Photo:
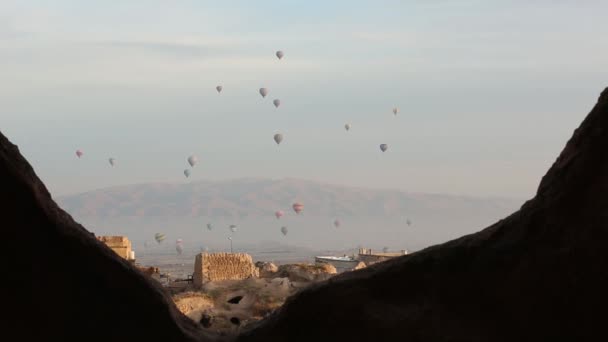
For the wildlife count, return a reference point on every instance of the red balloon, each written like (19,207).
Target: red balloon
(298,207)
(79,153)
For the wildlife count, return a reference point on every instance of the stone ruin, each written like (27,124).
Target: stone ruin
(223,266)
(119,244)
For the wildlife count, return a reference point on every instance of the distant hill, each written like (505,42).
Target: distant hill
(250,198)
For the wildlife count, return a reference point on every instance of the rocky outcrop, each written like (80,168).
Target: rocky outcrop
(266,269)
(306,272)
(223,266)
(538,275)
(66,285)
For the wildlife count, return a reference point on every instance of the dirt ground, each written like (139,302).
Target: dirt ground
(226,306)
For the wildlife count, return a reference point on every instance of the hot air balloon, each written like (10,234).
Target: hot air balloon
(179,241)
(336,223)
(383,147)
(233,228)
(279,214)
(278,138)
(276,102)
(112,161)
(263,92)
(409,223)
(298,207)
(279,54)
(219,88)
(395,110)
(347,127)
(385,250)
(209,226)
(159,237)
(179,248)
(192,160)
(284,230)
(79,153)
(187,173)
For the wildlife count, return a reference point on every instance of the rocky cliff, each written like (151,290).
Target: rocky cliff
(540,274)
(61,284)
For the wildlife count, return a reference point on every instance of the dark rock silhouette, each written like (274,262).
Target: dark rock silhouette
(540,274)
(61,284)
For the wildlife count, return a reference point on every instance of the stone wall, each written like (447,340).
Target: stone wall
(370,257)
(119,244)
(223,266)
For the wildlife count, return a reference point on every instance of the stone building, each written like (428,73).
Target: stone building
(370,257)
(120,245)
(223,266)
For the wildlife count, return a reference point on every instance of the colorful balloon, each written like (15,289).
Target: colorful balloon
(263,92)
(279,214)
(192,160)
(337,223)
(383,147)
(219,88)
(347,127)
(280,54)
(276,102)
(395,110)
(298,207)
(284,230)
(79,153)
(112,161)
(159,237)
(187,173)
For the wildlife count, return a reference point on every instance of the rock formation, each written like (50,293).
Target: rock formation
(266,269)
(62,283)
(306,272)
(540,274)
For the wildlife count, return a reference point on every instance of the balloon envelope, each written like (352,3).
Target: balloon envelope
(337,223)
(278,138)
(187,173)
(79,153)
(112,161)
(276,102)
(179,248)
(279,214)
(209,226)
(159,237)
(383,147)
(284,230)
(395,110)
(192,160)
(298,207)
(280,54)
(219,88)
(347,127)
(263,92)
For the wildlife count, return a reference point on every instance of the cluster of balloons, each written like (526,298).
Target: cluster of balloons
(278,138)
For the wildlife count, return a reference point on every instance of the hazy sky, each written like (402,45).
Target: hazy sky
(488,91)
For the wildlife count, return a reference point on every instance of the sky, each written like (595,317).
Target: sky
(488,92)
